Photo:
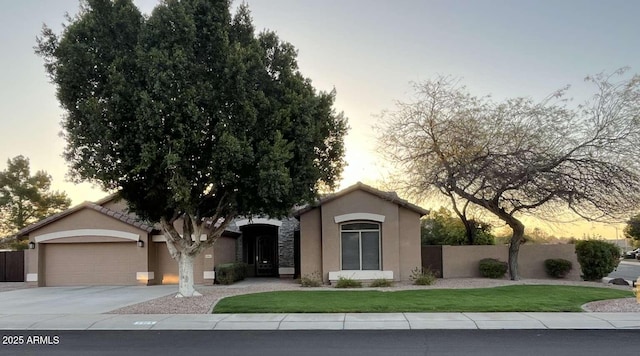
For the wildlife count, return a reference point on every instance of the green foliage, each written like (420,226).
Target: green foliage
(19,245)
(557,267)
(597,258)
(422,277)
(632,230)
(517,298)
(492,268)
(189,112)
(25,198)
(381,282)
(228,273)
(442,228)
(313,280)
(344,282)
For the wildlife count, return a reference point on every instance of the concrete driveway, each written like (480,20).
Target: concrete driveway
(78,300)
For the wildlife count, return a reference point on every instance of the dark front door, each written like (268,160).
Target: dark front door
(265,256)
(260,249)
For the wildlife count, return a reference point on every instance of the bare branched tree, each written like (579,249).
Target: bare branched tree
(518,156)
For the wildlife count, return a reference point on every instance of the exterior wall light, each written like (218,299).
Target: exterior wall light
(140,243)
(32,245)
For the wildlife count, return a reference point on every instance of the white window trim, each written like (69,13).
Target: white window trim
(360,275)
(379,230)
(273,222)
(87,232)
(358,216)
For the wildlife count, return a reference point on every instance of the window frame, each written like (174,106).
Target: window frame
(360,231)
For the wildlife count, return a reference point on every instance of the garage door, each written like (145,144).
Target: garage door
(77,264)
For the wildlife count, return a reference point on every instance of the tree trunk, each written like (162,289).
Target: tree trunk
(514,247)
(184,250)
(470,231)
(185,272)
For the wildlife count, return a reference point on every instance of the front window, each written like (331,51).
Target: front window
(360,246)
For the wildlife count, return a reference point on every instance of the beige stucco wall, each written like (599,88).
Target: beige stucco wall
(167,267)
(92,264)
(400,235)
(86,219)
(410,252)
(224,251)
(463,261)
(310,243)
(360,202)
(94,256)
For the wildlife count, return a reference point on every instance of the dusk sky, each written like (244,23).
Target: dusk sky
(368,50)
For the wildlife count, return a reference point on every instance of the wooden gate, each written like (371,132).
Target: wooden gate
(432,259)
(12,266)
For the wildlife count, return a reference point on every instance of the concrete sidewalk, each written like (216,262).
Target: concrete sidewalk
(337,321)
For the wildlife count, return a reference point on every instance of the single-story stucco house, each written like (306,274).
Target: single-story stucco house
(359,233)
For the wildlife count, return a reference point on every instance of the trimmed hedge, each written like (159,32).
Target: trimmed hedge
(228,273)
(492,268)
(597,258)
(557,267)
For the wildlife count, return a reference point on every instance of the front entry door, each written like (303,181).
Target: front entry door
(265,256)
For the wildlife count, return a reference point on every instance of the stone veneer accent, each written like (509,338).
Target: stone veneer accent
(285,241)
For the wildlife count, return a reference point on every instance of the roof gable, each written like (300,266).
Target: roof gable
(125,218)
(388,196)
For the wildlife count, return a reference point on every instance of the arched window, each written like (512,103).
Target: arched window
(360,242)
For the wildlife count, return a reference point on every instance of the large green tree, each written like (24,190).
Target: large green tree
(192,116)
(26,198)
(520,156)
(440,227)
(632,230)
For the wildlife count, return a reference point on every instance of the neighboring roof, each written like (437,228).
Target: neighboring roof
(388,196)
(125,218)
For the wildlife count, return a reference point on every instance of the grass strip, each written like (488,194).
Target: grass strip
(533,298)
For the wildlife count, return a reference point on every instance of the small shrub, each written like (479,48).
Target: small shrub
(422,277)
(557,267)
(348,283)
(381,282)
(228,273)
(492,268)
(311,280)
(19,245)
(597,258)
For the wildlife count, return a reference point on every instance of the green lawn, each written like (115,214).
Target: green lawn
(538,298)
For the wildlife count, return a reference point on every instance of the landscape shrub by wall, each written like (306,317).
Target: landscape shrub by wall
(228,273)
(557,267)
(492,268)
(597,258)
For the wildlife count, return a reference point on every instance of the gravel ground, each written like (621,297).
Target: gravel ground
(212,294)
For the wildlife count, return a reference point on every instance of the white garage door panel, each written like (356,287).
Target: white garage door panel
(91,264)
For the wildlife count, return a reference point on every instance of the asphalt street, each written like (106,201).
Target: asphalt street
(370,343)
(629,270)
